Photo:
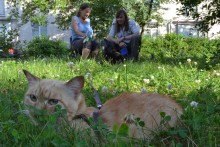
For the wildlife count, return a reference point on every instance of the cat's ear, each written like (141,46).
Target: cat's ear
(31,78)
(76,84)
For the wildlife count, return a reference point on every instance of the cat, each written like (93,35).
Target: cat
(45,94)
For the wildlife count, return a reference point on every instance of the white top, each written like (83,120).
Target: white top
(133,28)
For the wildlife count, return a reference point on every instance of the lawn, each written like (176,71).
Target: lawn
(197,90)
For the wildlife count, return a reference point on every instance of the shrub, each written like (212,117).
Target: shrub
(177,47)
(215,58)
(44,47)
(6,38)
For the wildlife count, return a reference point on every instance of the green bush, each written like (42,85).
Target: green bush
(44,47)
(6,38)
(172,46)
(215,58)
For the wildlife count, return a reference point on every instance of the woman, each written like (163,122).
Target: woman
(127,33)
(82,33)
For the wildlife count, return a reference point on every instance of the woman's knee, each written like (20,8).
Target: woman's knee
(136,38)
(96,43)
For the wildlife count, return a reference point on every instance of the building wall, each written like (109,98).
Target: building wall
(26,31)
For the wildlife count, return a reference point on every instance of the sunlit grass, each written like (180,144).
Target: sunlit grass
(198,91)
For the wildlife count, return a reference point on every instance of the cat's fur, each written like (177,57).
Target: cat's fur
(125,108)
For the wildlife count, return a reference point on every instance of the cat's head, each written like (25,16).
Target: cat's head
(45,94)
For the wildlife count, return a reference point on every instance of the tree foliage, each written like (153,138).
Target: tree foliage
(209,16)
(103,11)
(144,11)
(37,11)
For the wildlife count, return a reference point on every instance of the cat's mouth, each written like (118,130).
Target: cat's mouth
(41,115)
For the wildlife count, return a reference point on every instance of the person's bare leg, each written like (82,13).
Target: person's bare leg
(95,53)
(85,53)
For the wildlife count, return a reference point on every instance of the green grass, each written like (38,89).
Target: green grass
(200,126)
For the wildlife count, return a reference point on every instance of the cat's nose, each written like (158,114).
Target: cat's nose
(41,106)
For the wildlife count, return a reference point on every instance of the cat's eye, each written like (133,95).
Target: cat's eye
(53,101)
(33,98)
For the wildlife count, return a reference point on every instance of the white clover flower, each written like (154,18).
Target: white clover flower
(44,59)
(70,64)
(159,67)
(189,60)
(180,63)
(146,81)
(152,77)
(198,81)
(26,112)
(217,74)
(20,71)
(124,65)
(143,90)
(111,80)
(169,86)
(104,89)
(88,75)
(195,63)
(194,104)
(114,92)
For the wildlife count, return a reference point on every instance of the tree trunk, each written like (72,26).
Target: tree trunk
(149,14)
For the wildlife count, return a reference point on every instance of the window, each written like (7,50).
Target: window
(38,30)
(188,30)
(2,8)
(190,11)
(151,32)
(1,29)
(151,29)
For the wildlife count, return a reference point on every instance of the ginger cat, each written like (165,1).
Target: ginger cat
(45,94)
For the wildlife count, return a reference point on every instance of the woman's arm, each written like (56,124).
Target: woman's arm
(130,36)
(75,28)
(116,40)
(135,29)
(112,33)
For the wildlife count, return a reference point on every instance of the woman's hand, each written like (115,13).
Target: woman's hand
(122,44)
(84,35)
(119,40)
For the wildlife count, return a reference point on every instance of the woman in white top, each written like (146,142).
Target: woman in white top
(125,32)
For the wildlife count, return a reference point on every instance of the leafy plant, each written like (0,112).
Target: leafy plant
(177,47)
(197,91)
(44,47)
(6,39)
